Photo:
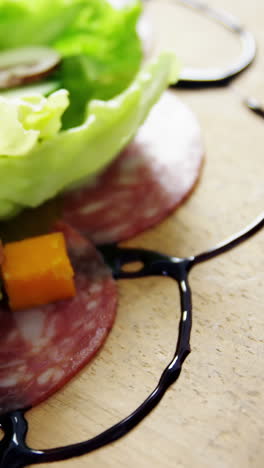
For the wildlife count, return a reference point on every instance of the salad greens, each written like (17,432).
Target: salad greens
(26,121)
(94,103)
(99,44)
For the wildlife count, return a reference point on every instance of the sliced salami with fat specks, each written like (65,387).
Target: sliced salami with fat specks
(42,348)
(150,178)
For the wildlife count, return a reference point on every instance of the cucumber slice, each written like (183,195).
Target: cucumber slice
(44,88)
(24,65)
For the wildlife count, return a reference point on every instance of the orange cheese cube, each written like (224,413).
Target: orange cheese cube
(37,271)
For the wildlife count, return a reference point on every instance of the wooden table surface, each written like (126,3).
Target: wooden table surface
(213,416)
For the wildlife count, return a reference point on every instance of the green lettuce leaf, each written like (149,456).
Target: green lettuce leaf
(54,164)
(42,114)
(26,121)
(27,22)
(49,144)
(99,44)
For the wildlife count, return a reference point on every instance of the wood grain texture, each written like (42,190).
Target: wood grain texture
(213,416)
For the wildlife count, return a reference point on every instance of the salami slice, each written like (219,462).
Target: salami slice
(42,348)
(149,180)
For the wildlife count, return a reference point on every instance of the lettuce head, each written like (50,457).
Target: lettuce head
(71,125)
